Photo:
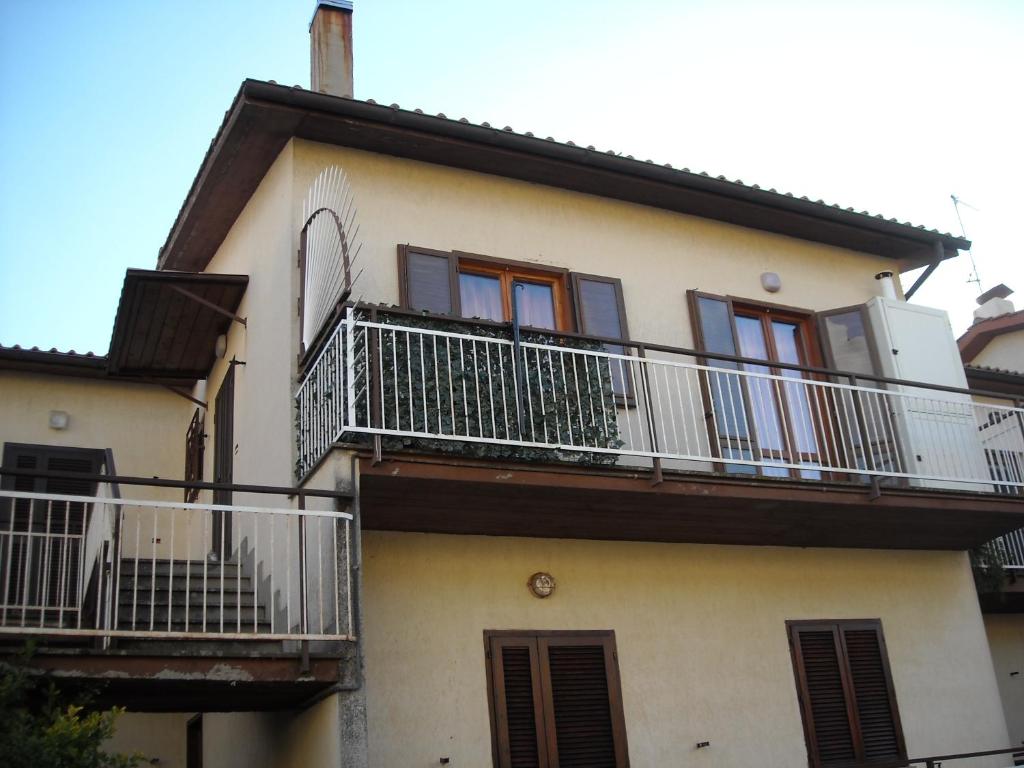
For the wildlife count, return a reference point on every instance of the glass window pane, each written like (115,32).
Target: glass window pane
(535,304)
(848,340)
(763,392)
(481,297)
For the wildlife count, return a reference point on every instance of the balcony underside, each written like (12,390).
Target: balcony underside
(174,681)
(432,495)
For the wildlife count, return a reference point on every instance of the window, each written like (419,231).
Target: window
(846,693)
(555,700)
(478,286)
(756,418)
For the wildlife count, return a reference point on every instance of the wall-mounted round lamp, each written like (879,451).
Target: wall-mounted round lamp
(59,419)
(220,347)
(541,584)
(771,282)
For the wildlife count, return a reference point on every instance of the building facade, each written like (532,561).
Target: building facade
(500,451)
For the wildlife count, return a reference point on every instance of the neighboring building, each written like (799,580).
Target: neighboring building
(678,520)
(993,354)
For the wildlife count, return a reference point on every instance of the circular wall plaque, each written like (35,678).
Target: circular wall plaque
(541,584)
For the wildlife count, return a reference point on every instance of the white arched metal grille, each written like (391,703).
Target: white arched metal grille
(328,249)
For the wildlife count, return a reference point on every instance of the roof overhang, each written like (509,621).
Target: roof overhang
(53,362)
(995,380)
(265,116)
(167,323)
(977,337)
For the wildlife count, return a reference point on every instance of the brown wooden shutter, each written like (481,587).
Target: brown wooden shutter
(846,694)
(821,668)
(872,688)
(428,280)
(195,452)
(556,700)
(600,308)
(580,708)
(601,311)
(517,702)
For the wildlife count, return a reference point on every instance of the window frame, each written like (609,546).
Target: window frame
(810,349)
(838,628)
(497,638)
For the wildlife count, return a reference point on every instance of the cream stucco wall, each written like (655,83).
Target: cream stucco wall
(1006,351)
(144,425)
(657,254)
(306,739)
(1006,639)
(701,637)
(158,737)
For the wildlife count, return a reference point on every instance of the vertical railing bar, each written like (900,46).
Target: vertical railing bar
(27,581)
(7,565)
(272,610)
(465,391)
(408,377)
(636,398)
(255,573)
(504,402)
(46,557)
(350,368)
(604,415)
(490,388)
(348,577)
(170,579)
(320,575)
(451,384)
(135,586)
(554,400)
(188,575)
(238,574)
(476,389)
(207,528)
(152,581)
(221,562)
(579,399)
(437,384)
(288,575)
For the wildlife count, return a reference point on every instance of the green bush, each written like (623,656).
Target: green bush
(42,726)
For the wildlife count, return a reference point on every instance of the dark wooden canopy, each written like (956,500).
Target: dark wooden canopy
(167,323)
(441,495)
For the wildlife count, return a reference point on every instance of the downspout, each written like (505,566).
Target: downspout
(355,682)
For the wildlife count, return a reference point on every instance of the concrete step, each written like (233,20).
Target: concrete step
(231,614)
(146,567)
(147,583)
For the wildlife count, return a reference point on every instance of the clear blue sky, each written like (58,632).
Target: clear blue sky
(108,108)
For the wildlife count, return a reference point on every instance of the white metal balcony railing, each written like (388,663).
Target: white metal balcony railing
(608,405)
(109,567)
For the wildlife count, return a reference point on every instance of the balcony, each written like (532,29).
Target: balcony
(702,446)
(202,601)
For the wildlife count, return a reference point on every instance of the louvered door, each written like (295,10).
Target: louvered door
(846,693)
(557,700)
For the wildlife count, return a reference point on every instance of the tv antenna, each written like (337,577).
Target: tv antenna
(973,277)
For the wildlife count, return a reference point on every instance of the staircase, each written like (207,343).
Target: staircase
(166,592)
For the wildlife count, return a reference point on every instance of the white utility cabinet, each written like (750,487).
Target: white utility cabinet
(937,431)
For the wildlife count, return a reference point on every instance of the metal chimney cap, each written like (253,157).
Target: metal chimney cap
(1001,291)
(341,5)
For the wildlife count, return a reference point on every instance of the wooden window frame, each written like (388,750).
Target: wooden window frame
(544,716)
(838,627)
(810,348)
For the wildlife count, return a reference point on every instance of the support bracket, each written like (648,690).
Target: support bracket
(210,305)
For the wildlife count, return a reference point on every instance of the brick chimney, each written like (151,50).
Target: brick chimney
(330,48)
